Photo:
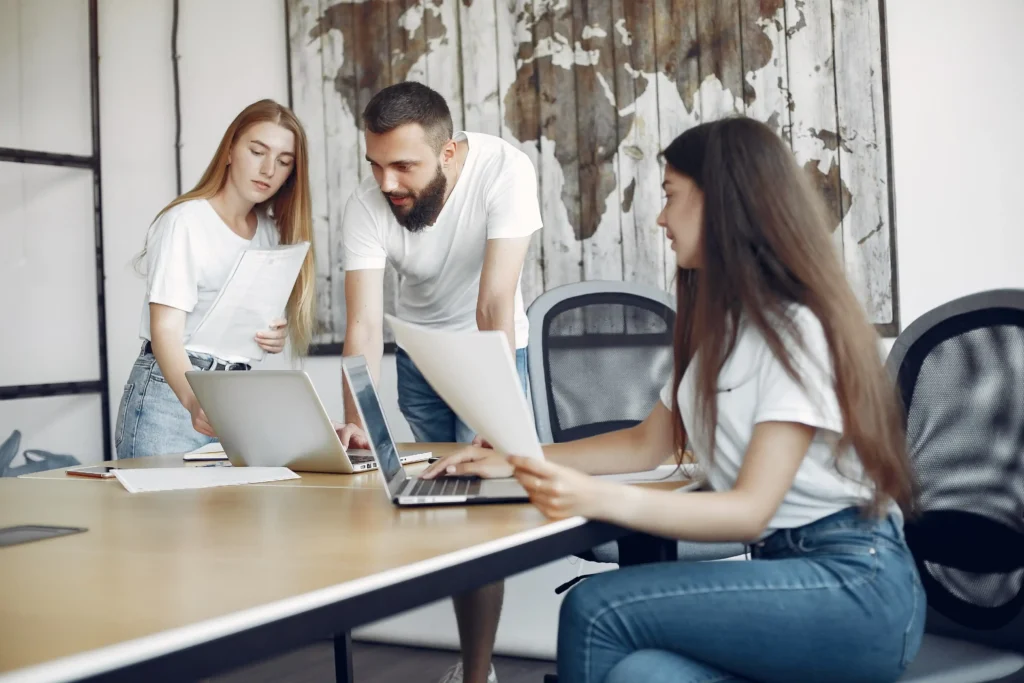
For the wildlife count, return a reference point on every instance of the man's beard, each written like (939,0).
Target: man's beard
(426,204)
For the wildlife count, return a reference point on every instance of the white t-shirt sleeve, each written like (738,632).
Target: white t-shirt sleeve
(781,399)
(364,247)
(172,262)
(666,392)
(513,207)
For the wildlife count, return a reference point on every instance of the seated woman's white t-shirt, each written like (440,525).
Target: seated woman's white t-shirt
(189,254)
(754,387)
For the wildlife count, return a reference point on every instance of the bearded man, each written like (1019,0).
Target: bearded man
(453,213)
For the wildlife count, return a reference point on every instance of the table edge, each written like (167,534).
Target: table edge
(110,658)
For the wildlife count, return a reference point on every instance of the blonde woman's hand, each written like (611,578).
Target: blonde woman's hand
(272,339)
(200,422)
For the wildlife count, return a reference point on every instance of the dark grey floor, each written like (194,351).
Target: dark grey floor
(378,664)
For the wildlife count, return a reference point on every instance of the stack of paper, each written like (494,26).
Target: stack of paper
(178,478)
(213,451)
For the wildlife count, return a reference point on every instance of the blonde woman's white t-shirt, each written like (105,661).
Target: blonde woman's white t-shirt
(190,251)
(754,387)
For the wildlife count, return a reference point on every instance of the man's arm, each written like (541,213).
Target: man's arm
(495,304)
(364,331)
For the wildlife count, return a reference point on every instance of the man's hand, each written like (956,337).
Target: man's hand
(352,436)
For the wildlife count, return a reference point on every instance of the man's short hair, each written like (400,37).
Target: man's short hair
(410,102)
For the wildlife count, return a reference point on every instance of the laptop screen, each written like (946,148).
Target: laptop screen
(374,422)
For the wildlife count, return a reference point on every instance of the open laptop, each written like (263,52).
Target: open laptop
(402,489)
(274,418)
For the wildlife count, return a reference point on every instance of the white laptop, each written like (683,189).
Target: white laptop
(402,489)
(274,418)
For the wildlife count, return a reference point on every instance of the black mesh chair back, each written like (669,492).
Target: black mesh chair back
(960,371)
(599,354)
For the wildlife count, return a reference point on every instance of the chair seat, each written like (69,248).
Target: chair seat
(688,551)
(947,660)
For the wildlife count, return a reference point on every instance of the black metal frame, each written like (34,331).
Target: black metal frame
(338,348)
(338,619)
(92,163)
(891,328)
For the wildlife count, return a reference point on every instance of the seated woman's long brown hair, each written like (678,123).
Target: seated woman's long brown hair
(766,245)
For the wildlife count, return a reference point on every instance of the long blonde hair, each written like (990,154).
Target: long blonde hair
(290,207)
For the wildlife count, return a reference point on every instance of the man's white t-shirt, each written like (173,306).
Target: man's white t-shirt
(439,267)
(190,251)
(754,387)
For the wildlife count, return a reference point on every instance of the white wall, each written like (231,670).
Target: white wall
(137,161)
(47,264)
(954,71)
(220,72)
(954,116)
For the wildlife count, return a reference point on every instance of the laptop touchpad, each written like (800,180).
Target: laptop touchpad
(502,488)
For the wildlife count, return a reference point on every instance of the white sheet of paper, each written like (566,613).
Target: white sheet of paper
(179,478)
(255,293)
(475,373)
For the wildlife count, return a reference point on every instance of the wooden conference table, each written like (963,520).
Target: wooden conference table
(179,585)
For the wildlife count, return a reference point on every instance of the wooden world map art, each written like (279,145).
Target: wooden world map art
(592,90)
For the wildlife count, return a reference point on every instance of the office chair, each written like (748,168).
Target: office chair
(960,371)
(599,354)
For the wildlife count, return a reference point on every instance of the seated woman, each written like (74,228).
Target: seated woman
(780,391)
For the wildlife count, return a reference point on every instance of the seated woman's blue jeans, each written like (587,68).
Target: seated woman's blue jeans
(836,601)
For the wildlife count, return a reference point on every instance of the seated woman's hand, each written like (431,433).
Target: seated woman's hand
(560,491)
(471,460)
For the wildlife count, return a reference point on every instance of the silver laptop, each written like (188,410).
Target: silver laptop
(274,418)
(401,488)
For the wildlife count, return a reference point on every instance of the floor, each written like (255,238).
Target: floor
(375,663)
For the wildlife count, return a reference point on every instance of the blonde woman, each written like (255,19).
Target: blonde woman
(254,194)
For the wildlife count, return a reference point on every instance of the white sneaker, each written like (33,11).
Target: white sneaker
(454,675)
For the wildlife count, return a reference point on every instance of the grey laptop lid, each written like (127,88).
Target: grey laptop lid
(272,418)
(375,424)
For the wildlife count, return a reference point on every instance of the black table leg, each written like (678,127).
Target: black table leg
(343,658)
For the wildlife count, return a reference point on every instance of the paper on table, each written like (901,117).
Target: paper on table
(475,374)
(211,451)
(255,293)
(178,478)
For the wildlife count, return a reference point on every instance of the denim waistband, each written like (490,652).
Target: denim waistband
(853,519)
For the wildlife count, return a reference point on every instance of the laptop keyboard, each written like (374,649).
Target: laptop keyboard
(445,486)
